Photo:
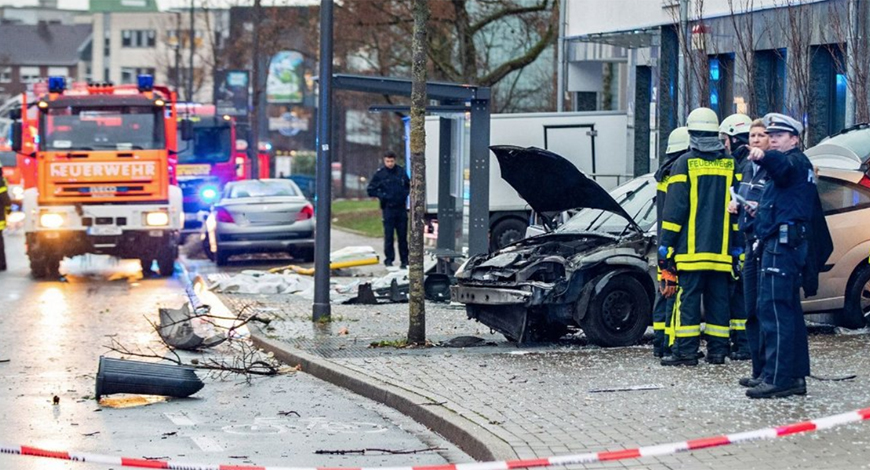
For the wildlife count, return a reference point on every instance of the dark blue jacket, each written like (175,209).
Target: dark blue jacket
(751,187)
(390,186)
(788,195)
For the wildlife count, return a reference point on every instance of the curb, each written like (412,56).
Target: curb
(473,439)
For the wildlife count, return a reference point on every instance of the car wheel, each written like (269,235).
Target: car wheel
(221,257)
(166,261)
(619,314)
(857,303)
(206,248)
(306,255)
(505,232)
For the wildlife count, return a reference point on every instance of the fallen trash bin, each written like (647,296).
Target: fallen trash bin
(145,378)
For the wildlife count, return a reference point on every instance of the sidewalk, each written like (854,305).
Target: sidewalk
(500,401)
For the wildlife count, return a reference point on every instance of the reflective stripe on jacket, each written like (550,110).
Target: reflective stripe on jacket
(696,222)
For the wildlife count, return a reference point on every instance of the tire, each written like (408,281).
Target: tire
(857,303)
(207,249)
(166,261)
(619,314)
(221,257)
(306,255)
(505,232)
(44,266)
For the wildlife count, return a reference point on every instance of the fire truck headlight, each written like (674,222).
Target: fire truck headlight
(51,220)
(157,219)
(208,194)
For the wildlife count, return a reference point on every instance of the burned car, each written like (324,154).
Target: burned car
(592,272)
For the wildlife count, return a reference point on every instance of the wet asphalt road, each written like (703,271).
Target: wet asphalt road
(54,333)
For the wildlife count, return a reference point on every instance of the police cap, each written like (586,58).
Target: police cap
(776,122)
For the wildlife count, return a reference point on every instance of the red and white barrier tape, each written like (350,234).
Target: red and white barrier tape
(592,457)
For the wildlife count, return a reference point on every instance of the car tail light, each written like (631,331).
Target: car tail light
(865,181)
(223,215)
(306,213)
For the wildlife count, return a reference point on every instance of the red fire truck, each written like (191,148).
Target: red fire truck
(105,181)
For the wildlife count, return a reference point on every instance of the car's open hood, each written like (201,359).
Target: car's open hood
(550,183)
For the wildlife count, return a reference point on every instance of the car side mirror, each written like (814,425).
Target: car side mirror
(16,137)
(186,130)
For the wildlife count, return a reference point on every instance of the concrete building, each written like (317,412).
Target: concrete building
(751,56)
(127,44)
(31,52)
(46,12)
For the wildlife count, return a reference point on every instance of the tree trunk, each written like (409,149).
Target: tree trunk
(416,305)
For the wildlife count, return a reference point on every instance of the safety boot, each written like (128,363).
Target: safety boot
(768,390)
(750,382)
(674,360)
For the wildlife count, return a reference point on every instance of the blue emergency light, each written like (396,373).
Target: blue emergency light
(56,84)
(208,194)
(145,82)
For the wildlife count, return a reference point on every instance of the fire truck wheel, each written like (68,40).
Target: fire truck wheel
(221,258)
(146,266)
(45,266)
(166,261)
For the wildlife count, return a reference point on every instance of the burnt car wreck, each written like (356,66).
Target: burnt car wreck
(593,272)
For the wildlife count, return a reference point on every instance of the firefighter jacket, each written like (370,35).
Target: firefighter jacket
(662,176)
(696,223)
(5,202)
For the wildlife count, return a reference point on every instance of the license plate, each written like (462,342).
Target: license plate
(155,233)
(103,189)
(101,230)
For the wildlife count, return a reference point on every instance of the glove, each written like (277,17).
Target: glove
(737,258)
(668,284)
(666,263)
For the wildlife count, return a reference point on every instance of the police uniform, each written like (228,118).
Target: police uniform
(391,186)
(696,234)
(663,337)
(783,226)
(5,205)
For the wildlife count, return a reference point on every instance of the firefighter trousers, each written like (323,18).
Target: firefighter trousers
(712,288)
(2,253)
(739,342)
(783,331)
(662,318)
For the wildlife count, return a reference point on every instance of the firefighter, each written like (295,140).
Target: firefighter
(735,133)
(678,143)
(5,206)
(794,243)
(696,241)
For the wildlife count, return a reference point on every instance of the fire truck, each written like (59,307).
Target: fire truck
(105,182)
(214,157)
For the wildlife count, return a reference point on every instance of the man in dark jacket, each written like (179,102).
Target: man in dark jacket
(790,243)
(391,185)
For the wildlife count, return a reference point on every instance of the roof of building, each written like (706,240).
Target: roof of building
(43,44)
(106,6)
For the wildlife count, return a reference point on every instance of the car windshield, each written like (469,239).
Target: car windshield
(101,128)
(637,197)
(260,188)
(210,144)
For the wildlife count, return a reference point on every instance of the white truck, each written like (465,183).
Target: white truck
(594,141)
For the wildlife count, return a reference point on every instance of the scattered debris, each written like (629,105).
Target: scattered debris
(824,378)
(183,329)
(465,342)
(343,331)
(633,388)
(129,401)
(91,434)
(288,413)
(347,257)
(434,403)
(3,361)
(377,451)
(55,400)
(168,434)
(262,282)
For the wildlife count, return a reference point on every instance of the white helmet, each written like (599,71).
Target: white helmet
(736,124)
(703,120)
(678,140)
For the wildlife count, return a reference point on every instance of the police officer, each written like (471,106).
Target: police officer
(735,133)
(750,189)
(5,205)
(678,143)
(696,240)
(391,185)
(784,224)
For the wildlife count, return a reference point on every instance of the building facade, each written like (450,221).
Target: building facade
(801,57)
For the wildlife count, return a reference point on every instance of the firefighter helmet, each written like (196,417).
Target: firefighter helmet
(736,124)
(678,140)
(703,120)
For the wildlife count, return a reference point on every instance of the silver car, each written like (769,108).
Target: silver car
(255,216)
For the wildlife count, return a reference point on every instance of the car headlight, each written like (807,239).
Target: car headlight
(51,220)
(157,219)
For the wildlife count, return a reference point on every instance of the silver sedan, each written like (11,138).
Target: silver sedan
(256,216)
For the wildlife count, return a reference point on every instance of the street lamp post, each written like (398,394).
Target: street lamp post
(321,308)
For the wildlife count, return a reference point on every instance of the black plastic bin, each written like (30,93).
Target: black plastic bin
(145,378)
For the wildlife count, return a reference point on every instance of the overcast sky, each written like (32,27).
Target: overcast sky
(164,4)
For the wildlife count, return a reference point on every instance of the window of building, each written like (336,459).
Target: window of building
(721,85)
(769,81)
(138,38)
(129,74)
(29,74)
(5,74)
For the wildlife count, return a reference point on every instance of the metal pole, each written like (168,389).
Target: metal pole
(321,309)
(178,51)
(192,47)
(851,42)
(254,117)
(560,70)
(683,95)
